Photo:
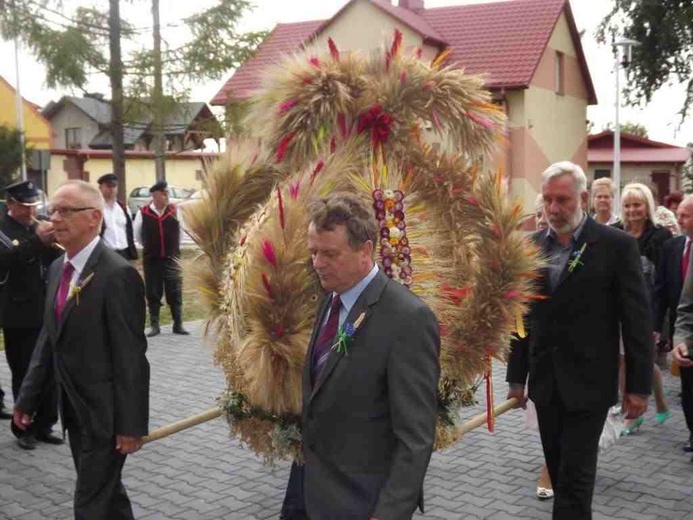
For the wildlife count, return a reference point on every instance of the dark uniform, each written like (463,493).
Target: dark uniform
(160,235)
(24,269)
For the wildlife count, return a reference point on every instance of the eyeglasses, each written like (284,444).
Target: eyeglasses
(66,212)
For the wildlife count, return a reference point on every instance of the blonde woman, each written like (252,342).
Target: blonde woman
(602,197)
(638,219)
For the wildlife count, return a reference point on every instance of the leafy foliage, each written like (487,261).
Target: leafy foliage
(664,29)
(10,154)
(629,128)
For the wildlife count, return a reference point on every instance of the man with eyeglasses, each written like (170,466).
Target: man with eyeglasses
(27,253)
(93,335)
(157,228)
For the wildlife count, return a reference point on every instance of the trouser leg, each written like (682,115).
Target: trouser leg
(571,441)
(687,396)
(99,491)
(154,284)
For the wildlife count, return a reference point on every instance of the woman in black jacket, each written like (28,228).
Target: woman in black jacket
(638,219)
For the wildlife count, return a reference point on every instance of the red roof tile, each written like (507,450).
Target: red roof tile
(504,40)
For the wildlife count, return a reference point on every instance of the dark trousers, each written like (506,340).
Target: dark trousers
(19,346)
(687,396)
(162,276)
(293,507)
(570,439)
(99,492)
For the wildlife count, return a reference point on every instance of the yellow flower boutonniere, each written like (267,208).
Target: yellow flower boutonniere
(75,290)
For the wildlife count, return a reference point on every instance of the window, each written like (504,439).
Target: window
(598,174)
(73,138)
(198,175)
(560,73)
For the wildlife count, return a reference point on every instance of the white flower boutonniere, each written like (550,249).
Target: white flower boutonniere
(76,289)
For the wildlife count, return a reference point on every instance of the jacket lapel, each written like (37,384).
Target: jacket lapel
(86,272)
(369,297)
(53,282)
(678,261)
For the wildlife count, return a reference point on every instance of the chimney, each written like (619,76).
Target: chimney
(413,5)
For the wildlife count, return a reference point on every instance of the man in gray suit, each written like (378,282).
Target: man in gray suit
(369,399)
(93,336)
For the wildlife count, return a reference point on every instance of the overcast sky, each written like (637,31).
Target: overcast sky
(660,116)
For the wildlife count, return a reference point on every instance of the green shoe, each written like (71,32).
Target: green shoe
(662,416)
(633,426)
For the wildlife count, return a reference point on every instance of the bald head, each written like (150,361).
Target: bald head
(684,215)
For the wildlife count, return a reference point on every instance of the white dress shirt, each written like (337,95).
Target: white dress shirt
(115,235)
(80,259)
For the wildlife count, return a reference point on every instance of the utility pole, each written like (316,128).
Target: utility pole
(20,105)
(115,73)
(159,140)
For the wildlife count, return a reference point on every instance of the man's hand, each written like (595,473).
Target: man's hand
(21,420)
(126,444)
(634,405)
(44,230)
(656,336)
(517,391)
(680,353)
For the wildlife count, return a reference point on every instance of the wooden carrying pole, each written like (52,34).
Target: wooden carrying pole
(212,414)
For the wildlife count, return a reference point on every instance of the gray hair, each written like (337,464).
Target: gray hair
(604,182)
(566,168)
(91,193)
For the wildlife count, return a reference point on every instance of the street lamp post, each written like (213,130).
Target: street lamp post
(624,53)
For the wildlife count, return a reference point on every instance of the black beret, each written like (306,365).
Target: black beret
(109,178)
(159,186)
(24,192)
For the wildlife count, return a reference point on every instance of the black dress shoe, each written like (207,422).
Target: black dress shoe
(688,447)
(4,414)
(27,442)
(178,329)
(154,331)
(50,438)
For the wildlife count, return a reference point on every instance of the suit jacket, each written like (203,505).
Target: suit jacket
(25,285)
(132,248)
(572,346)
(683,329)
(98,350)
(369,420)
(668,283)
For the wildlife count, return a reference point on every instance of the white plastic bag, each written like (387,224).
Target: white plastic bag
(612,428)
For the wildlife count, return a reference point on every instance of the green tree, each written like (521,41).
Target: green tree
(74,48)
(630,128)
(664,29)
(10,154)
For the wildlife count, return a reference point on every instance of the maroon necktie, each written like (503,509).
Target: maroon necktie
(325,340)
(63,289)
(686,258)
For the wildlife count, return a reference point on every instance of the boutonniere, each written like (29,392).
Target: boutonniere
(576,258)
(345,335)
(76,289)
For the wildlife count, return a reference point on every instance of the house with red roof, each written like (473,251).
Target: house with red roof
(655,164)
(528,50)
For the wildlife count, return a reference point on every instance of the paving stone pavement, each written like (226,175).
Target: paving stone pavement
(202,474)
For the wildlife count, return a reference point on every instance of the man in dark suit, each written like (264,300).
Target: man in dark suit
(681,309)
(24,299)
(116,231)
(593,288)
(369,400)
(93,337)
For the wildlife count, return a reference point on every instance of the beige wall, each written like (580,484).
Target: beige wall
(362,26)
(546,126)
(139,172)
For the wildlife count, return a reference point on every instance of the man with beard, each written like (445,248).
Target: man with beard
(593,289)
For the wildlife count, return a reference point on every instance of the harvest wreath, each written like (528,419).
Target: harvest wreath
(447,227)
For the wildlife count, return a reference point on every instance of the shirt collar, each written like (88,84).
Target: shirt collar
(350,296)
(576,234)
(80,259)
